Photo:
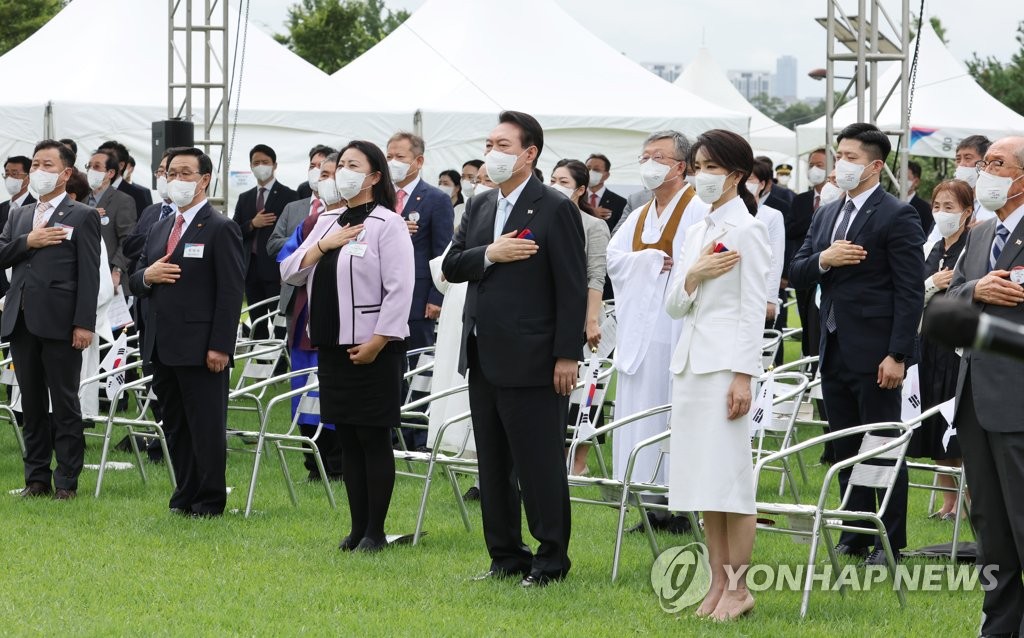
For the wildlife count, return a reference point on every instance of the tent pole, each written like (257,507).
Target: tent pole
(417,122)
(48,121)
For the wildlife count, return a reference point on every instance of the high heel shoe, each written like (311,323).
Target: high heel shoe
(369,546)
(347,544)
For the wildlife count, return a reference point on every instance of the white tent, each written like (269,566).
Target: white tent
(948,105)
(91,95)
(704,77)
(455,64)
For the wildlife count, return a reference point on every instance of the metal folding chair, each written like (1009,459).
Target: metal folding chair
(8,378)
(788,391)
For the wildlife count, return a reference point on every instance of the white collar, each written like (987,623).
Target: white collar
(269,185)
(1013,219)
(411,186)
(725,215)
(859,200)
(513,197)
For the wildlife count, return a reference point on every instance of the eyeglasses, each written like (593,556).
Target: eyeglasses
(657,157)
(186,175)
(1000,164)
(14,175)
(160,173)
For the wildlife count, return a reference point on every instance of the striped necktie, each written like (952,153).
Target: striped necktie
(841,230)
(1002,234)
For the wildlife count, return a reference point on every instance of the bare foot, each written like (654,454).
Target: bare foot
(710,602)
(732,605)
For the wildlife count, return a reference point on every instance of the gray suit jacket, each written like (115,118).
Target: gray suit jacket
(290,218)
(997,404)
(633,202)
(116,224)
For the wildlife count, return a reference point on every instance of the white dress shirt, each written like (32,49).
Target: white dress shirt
(54,203)
(190,214)
(19,201)
(409,188)
(499,221)
(599,192)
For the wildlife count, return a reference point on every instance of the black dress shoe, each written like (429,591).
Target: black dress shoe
(678,524)
(500,574)
(347,544)
(194,514)
(35,488)
(848,550)
(370,546)
(472,494)
(877,557)
(62,494)
(534,581)
(178,511)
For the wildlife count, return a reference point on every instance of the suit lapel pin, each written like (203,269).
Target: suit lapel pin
(1018,242)
(61,214)
(418,198)
(529,212)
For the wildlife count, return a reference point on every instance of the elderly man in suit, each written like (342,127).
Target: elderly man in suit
(989,407)
(54,248)
(191,273)
(865,252)
(117,210)
(520,247)
(256,213)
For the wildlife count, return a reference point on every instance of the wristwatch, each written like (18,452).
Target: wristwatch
(898,357)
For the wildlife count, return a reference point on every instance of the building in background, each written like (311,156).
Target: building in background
(785,79)
(751,83)
(667,71)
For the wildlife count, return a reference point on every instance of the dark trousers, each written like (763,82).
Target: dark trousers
(994,465)
(49,370)
(195,404)
(520,443)
(256,290)
(854,398)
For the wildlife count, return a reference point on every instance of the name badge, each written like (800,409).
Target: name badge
(194,251)
(1017,276)
(104,220)
(354,249)
(70,230)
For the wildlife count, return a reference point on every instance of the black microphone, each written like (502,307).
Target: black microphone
(958,324)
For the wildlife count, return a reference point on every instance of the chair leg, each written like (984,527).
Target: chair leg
(167,457)
(619,531)
(287,474)
(255,474)
(811,557)
(959,512)
(931,492)
(461,502)
(832,556)
(890,560)
(138,454)
(323,474)
(427,480)
(103,457)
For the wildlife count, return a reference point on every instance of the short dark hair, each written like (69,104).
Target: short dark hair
(67,141)
(731,152)
(205,163)
(319,149)
(119,148)
(78,185)
(266,150)
(383,191)
(25,162)
(875,142)
(979,143)
(603,158)
(530,131)
(474,163)
(763,171)
(914,169)
(131,161)
(820,149)
(538,173)
(67,157)
(112,163)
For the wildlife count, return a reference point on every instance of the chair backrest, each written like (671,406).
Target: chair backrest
(259,362)
(770,347)
(420,373)
(880,470)
(309,402)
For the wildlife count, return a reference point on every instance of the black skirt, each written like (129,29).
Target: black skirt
(939,369)
(361,395)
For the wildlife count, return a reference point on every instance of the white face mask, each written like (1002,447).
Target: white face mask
(947,223)
(481,189)
(967,174)
(848,174)
(95,178)
(595,179)
(349,182)
(399,170)
(992,190)
(313,179)
(691,180)
(328,191)
(500,166)
(753,187)
(783,180)
(829,193)
(161,186)
(652,174)
(13,184)
(447,190)
(710,187)
(815,175)
(181,192)
(565,190)
(262,172)
(468,188)
(43,182)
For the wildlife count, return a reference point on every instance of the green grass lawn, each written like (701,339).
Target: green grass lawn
(123,566)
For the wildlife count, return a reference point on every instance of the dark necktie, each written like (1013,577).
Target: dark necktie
(165,210)
(261,202)
(844,225)
(1002,234)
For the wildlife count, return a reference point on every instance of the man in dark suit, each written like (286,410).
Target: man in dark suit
(117,210)
(606,204)
(54,248)
(923,207)
(989,404)
(520,247)
(256,214)
(16,181)
(140,194)
(865,252)
(308,187)
(798,222)
(191,272)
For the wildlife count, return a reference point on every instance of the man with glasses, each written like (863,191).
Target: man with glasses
(117,210)
(16,180)
(640,265)
(988,415)
(191,275)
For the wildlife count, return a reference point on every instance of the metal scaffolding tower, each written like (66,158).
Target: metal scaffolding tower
(197,39)
(857,43)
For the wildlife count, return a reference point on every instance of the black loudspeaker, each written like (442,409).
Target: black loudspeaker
(169,134)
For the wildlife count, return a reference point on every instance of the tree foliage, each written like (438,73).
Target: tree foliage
(331,33)
(22,18)
(790,116)
(1003,81)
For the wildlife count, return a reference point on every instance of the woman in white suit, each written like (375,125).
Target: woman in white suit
(721,297)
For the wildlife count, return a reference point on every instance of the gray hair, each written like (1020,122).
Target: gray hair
(415,142)
(679,141)
(332,158)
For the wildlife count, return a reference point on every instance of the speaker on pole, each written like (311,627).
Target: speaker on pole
(170,134)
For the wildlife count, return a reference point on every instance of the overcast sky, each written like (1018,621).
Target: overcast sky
(742,34)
